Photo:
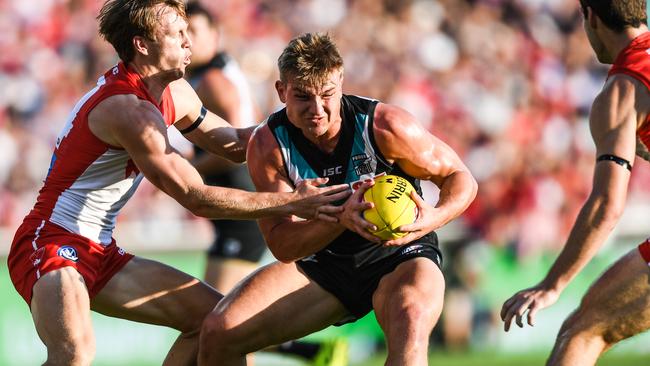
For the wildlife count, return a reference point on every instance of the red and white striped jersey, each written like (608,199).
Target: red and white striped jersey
(89,181)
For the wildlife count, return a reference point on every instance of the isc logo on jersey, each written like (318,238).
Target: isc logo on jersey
(68,252)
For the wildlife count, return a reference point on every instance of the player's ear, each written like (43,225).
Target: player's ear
(140,45)
(281,88)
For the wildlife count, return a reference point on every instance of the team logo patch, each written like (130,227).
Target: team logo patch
(68,252)
(363,164)
(37,256)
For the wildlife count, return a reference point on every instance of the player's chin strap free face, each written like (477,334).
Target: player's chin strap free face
(616,159)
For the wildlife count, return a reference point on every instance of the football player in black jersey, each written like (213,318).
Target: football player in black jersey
(332,273)
(238,245)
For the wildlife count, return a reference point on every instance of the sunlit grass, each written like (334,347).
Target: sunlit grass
(490,359)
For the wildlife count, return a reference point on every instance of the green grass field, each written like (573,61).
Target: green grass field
(489,359)
(126,343)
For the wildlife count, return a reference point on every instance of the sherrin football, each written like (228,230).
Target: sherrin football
(393,206)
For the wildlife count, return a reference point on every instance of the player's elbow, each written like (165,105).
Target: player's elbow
(280,252)
(609,216)
(469,186)
(286,259)
(282,256)
(196,207)
(607,212)
(193,202)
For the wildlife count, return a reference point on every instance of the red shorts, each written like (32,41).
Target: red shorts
(40,247)
(644,249)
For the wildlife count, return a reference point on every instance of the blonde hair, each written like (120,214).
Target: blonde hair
(308,59)
(121,20)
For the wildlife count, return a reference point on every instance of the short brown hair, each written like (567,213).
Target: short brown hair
(121,20)
(309,58)
(618,14)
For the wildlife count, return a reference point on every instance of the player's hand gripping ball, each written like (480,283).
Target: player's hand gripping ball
(393,206)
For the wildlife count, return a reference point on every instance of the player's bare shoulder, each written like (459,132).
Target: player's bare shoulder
(624,102)
(394,128)
(123,112)
(263,148)
(264,157)
(622,109)
(630,87)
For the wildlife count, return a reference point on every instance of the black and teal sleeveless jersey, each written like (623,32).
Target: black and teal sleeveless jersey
(356,157)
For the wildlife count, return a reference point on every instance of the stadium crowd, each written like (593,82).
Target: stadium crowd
(507,83)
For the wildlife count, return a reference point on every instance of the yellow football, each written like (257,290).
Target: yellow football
(393,206)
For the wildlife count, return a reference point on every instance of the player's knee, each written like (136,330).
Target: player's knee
(75,351)
(216,328)
(212,324)
(582,326)
(414,313)
(217,337)
(574,324)
(611,336)
(411,316)
(189,322)
(191,325)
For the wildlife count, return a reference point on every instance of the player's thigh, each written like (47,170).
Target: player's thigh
(275,304)
(60,308)
(415,285)
(152,292)
(617,305)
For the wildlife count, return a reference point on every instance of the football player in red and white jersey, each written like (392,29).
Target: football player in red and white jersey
(616,306)
(63,260)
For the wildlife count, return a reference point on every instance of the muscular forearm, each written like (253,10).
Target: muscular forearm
(290,241)
(221,202)
(456,193)
(593,225)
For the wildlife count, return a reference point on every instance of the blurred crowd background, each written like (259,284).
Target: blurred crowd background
(507,83)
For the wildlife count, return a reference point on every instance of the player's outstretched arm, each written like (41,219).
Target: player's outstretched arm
(220,96)
(137,126)
(404,141)
(613,125)
(213,134)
